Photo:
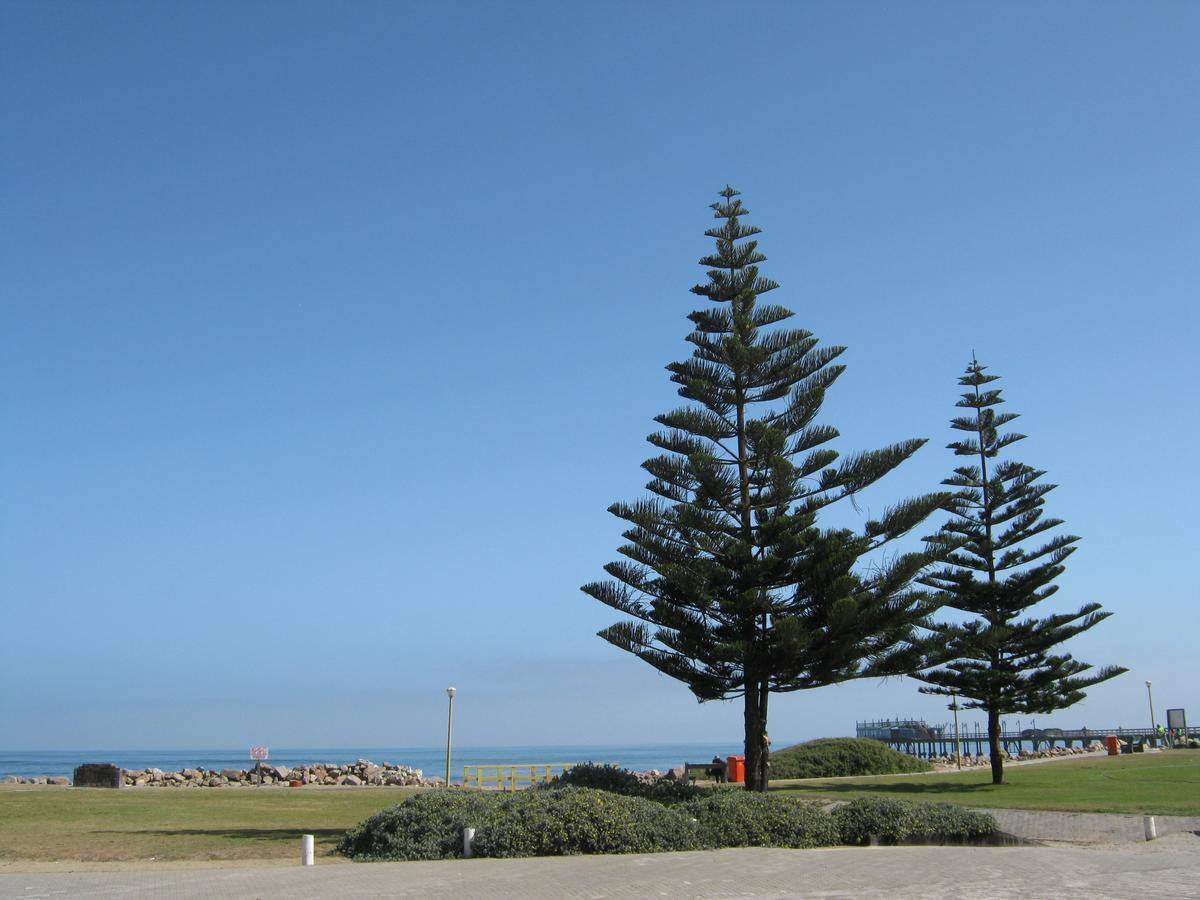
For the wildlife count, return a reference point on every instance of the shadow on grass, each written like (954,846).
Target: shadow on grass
(245,834)
(916,788)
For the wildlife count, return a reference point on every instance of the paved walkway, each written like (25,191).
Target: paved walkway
(1087,828)
(1166,868)
(1092,854)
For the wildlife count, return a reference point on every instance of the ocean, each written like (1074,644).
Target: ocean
(431,760)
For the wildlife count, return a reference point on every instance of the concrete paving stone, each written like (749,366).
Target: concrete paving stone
(1166,868)
(1087,828)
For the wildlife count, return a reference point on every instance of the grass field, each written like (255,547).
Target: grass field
(1165,783)
(55,823)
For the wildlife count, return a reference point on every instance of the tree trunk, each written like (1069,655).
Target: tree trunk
(758,754)
(994,744)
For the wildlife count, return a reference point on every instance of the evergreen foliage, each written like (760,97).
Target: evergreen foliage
(734,588)
(622,781)
(840,757)
(889,821)
(741,819)
(575,820)
(1004,659)
(427,826)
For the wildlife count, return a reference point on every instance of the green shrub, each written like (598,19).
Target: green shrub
(580,820)
(670,793)
(744,819)
(621,781)
(427,826)
(835,757)
(601,776)
(904,821)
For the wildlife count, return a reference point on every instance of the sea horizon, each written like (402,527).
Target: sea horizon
(430,760)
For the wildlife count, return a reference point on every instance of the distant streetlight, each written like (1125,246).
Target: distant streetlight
(1153,724)
(957,746)
(450,692)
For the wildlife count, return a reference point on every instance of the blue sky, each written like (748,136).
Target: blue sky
(330,332)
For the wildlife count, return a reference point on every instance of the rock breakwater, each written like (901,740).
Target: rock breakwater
(362,773)
(968,761)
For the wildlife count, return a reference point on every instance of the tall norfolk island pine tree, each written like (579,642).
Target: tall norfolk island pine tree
(1003,663)
(733,587)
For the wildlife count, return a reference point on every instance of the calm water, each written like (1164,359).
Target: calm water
(431,760)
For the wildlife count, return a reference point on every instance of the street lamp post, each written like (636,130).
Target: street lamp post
(957,745)
(450,692)
(1153,724)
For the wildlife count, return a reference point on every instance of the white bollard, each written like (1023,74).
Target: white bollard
(468,843)
(1151,831)
(306,849)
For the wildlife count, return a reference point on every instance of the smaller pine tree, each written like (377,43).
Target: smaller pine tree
(1003,660)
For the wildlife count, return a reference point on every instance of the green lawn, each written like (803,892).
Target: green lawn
(1165,783)
(55,823)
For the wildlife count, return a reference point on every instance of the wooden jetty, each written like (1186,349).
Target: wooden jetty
(915,737)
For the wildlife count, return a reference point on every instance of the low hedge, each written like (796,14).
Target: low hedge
(601,776)
(744,819)
(427,826)
(571,820)
(581,820)
(836,757)
(907,822)
(528,823)
(622,781)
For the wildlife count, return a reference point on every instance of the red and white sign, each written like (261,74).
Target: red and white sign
(258,752)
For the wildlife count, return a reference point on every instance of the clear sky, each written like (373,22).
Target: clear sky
(331,330)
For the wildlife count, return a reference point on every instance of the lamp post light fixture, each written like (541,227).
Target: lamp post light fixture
(957,745)
(450,692)
(1153,724)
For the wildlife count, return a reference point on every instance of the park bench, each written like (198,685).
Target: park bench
(706,769)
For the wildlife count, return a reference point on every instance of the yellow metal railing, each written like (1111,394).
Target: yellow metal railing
(511,777)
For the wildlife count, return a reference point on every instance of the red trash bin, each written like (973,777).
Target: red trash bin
(735,769)
(1113,745)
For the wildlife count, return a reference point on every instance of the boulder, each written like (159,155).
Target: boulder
(232,774)
(353,780)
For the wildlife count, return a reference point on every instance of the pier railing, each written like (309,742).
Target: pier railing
(939,742)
